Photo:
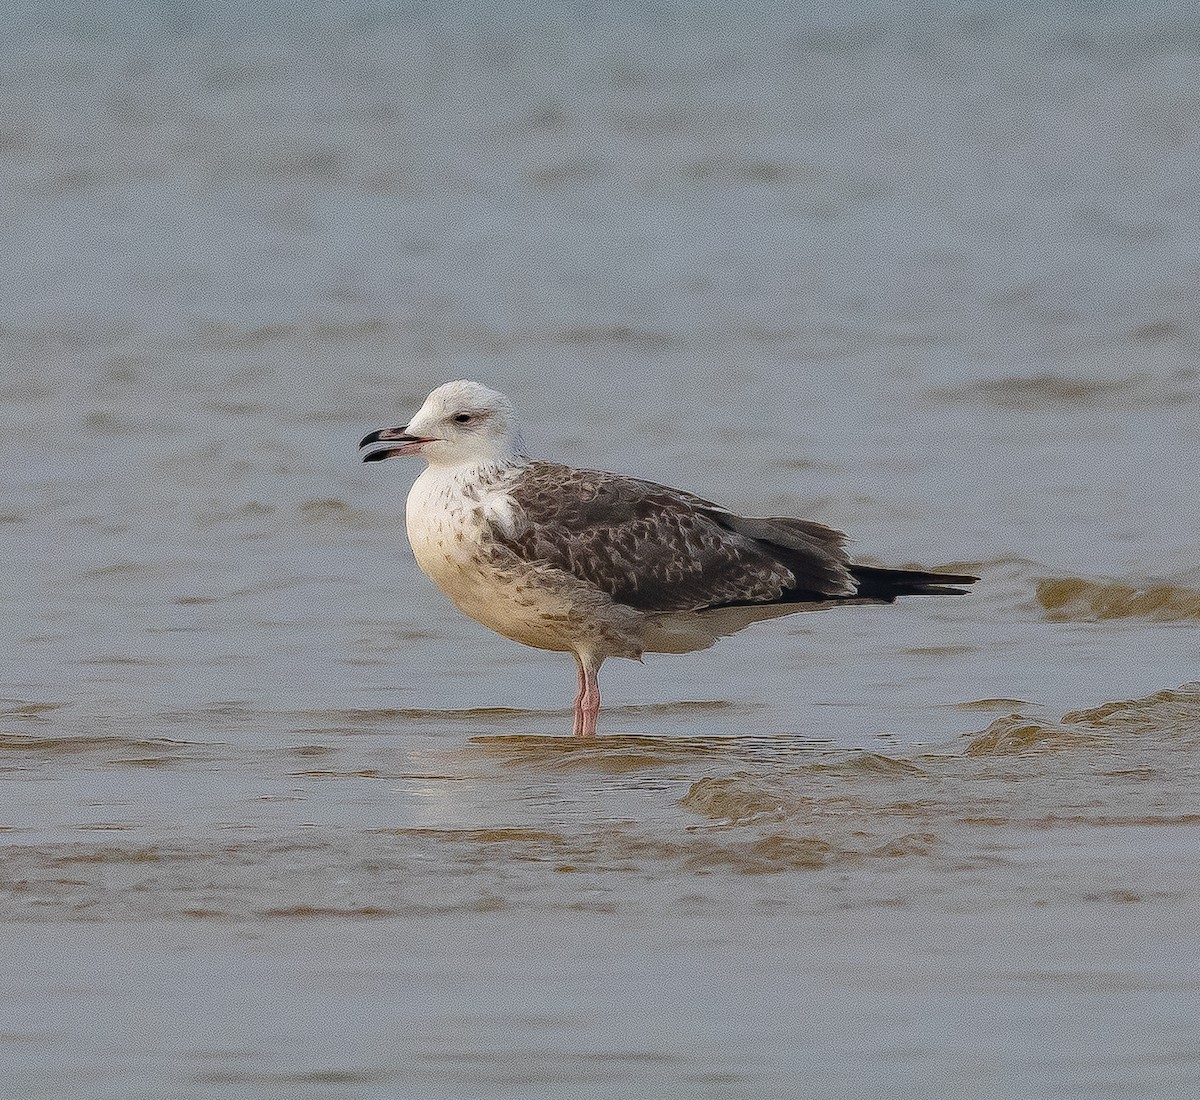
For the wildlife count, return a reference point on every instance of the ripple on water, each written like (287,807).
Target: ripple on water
(24,749)
(332,512)
(1014,734)
(27,708)
(991,704)
(1073,599)
(1173,714)
(630,753)
(383,716)
(1016,771)
(745,806)
(1048,391)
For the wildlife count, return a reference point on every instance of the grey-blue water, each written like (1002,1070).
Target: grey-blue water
(278,822)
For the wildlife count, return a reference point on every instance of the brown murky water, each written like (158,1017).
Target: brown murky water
(275,822)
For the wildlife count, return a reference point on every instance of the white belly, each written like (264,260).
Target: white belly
(448,532)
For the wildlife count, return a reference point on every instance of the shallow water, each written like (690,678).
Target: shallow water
(511,915)
(277,822)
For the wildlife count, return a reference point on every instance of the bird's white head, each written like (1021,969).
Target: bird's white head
(461,424)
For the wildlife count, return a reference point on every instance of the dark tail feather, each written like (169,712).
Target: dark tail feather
(887,584)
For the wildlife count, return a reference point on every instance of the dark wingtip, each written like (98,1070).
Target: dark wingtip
(947,583)
(887,584)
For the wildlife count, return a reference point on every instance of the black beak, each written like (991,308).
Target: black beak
(387,435)
(406,444)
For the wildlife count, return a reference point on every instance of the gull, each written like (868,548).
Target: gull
(601,565)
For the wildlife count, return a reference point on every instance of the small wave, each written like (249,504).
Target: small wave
(1175,712)
(867,764)
(1160,332)
(616,754)
(146,753)
(23,390)
(108,424)
(1057,391)
(511,834)
(1014,734)
(547,118)
(12,140)
(332,512)
(1073,599)
(732,170)
(624,335)
(777,851)
(940,650)
(381,715)
(309,331)
(1162,719)
(25,708)
(251,510)
(685,706)
(371,715)
(618,847)
(768,855)
(334,773)
(820,790)
(991,704)
(307,912)
(65,182)
(152,853)
(116,660)
(274,1081)
(736,799)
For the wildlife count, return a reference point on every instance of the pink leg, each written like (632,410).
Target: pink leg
(589,705)
(577,729)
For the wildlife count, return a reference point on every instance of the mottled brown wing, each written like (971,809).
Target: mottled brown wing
(659,549)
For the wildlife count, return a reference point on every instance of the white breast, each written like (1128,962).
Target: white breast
(445,527)
(449,519)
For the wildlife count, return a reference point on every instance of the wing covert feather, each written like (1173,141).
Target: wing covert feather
(660,549)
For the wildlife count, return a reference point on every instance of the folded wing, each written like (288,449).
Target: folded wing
(662,550)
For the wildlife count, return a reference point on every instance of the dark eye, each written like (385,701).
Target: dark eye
(463,418)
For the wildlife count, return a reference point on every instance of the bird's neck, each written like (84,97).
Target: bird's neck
(480,473)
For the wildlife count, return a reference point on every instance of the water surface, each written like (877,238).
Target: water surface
(278,822)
